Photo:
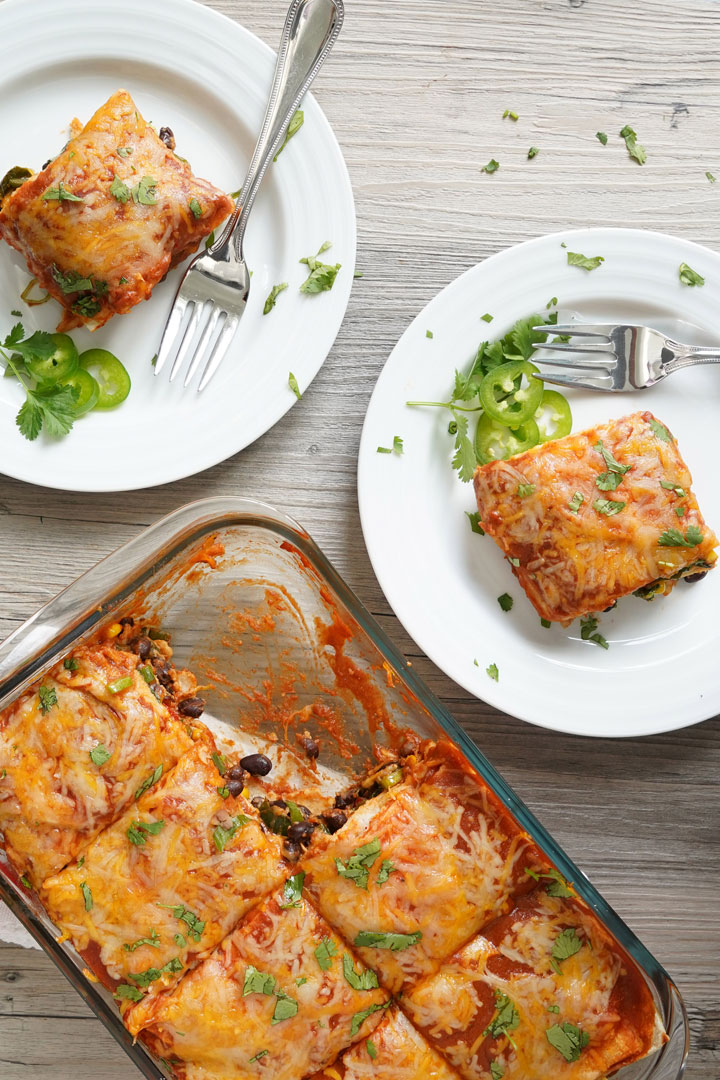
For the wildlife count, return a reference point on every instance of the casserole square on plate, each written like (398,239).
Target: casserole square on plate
(595,516)
(107,218)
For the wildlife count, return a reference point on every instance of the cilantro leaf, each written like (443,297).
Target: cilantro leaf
(496,1070)
(293,384)
(297,121)
(125,992)
(260,1054)
(360,1017)
(710,177)
(324,953)
(321,276)
(61,194)
(386,869)
(506,1017)
(196,209)
(492,671)
(669,486)
(358,865)
(588,628)
(585,262)
(533,152)
(558,885)
(505,601)
(688,276)
(491,167)
(674,538)
(274,293)
(119,190)
(608,507)
(100,754)
(48,698)
(292,890)
(637,152)
(145,191)
(151,780)
(576,502)
(366,980)
(223,834)
(285,1008)
(378,939)
(660,430)
(474,520)
(153,940)
(87,895)
(566,944)
(371,1049)
(258,982)
(568,1039)
(464,459)
(195,925)
(139,831)
(525,490)
(601,137)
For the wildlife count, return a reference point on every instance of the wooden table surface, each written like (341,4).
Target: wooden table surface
(416,92)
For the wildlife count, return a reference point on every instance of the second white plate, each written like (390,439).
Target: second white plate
(207,78)
(443,581)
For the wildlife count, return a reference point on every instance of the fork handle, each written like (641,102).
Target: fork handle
(311,29)
(689,356)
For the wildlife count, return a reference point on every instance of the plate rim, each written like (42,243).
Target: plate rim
(195,11)
(494,695)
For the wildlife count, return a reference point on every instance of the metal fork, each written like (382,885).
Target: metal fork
(622,358)
(213,292)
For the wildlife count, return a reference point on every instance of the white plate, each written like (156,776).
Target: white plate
(207,78)
(661,670)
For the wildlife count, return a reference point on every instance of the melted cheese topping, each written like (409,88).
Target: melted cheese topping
(401,1053)
(178,865)
(235,1027)
(456,861)
(54,799)
(596,989)
(128,246)
(572,563)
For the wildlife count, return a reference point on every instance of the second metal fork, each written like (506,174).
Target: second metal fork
(617,357)
(213,293)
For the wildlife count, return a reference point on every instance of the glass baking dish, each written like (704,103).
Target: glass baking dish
(257,612)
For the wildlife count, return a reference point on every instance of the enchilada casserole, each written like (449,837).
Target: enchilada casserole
(399,927)
(595,516)
(105,220)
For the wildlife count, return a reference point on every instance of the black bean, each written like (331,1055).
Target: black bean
(311,748)
(47,163)
(258,801)
(279,802)
(334,819)
(166,136)
(300,831)
(145,647)
(292,851)
(695,577)
(256,764)
(304,810)
(192,706)
(407,749)
(162,673)
(236,773)
(234,786)
(344,800)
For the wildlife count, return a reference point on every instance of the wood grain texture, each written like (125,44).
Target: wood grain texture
(416,92)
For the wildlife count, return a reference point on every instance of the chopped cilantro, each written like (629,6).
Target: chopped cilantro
(366,980)
(674,538)
(119,190)
(558,885)
(525,490)
(608,507)
(428,333)
(292,890)
(153,940)
(151,975)
(180,940)
(296,122)
(360,1017)
(256,1057)
(491,167)
(710,177)
(378,939)
(475,525)
(505,601)
(588,631)
(492,671)
(61,194)
(496,1070)
(533,152)
(285,1008)
(669,486)
(48,698)
(145,192)
(219,762)
(486,317)
(195,208)
(293,384)
(70,664)
(576,502)
(195,925)
(511,114)
(601,137)
(324,953)
(100,754)
(140,830)
(566,944)
(568,1039)
(26,882)
(688,276)
(321,276)
(358,865)
(223,834)
(545,623)
(585,262)
(660,430)
(506,1017)
(680,511)
(553,1008)
(125,992)
(87,895)
(371,1048)
(274,293)
(386,869)
(258,982)
(151,780)
(634,149)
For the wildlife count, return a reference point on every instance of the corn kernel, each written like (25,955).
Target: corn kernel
(113,630)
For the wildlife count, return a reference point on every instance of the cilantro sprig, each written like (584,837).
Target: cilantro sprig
(48,406)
